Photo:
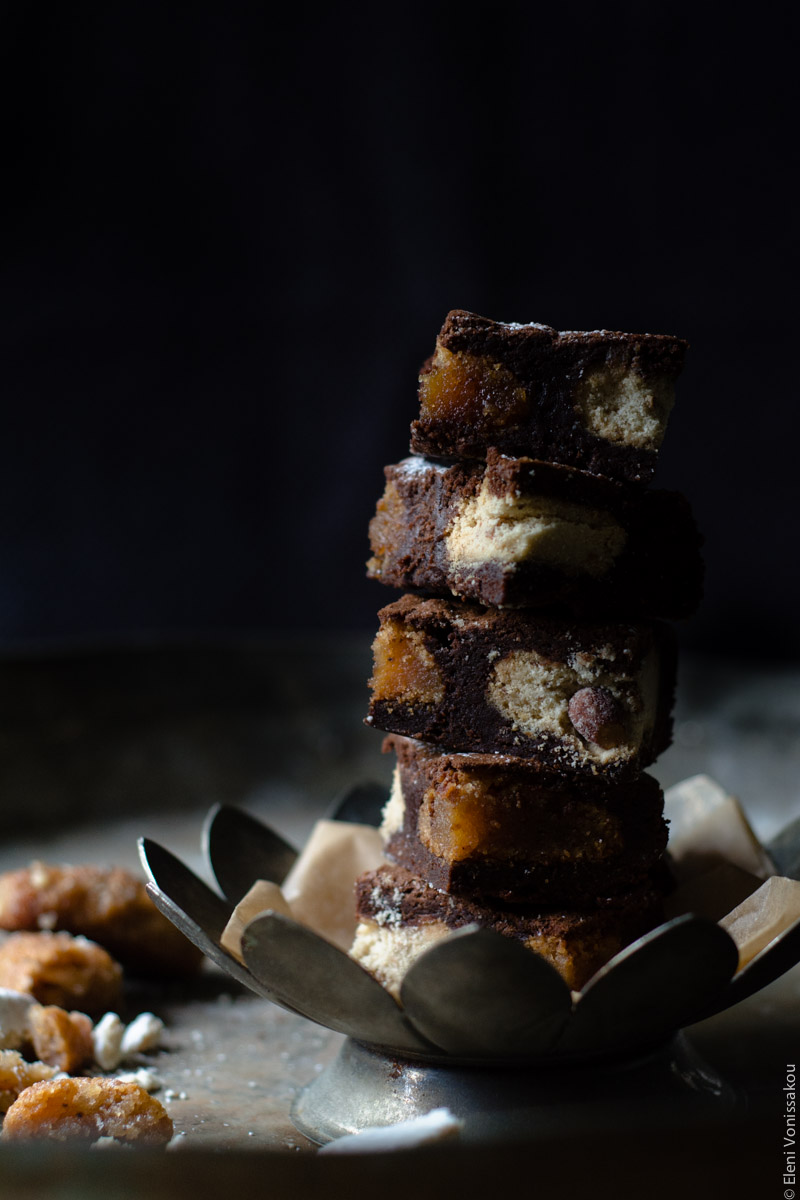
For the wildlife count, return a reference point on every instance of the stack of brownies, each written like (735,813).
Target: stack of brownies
(526,679)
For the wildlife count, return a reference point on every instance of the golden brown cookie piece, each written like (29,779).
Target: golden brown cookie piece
(108,905)
(56,968)
(88,1109)
(16,1075)
(60,1038)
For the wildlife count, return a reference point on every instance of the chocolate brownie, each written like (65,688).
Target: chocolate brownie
(399,917)
(596,400)
(517,532)
(492,826)
(587,698)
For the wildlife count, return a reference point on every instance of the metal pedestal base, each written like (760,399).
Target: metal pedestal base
(363,1087)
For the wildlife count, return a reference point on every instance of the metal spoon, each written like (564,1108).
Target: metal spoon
(196,911)
(362,804)
(477,993)
(658,984)
(324,984)
(240,849)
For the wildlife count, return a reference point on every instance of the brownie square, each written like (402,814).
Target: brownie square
(590,698)
(514,532)
(399,917)
(501,828)
(596,400)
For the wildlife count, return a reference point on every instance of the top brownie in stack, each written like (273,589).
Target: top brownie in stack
(598,401)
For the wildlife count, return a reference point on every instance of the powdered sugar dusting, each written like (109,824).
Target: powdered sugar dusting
(417,465)
(586,332)
(525,325)
(515,325)
(386,908)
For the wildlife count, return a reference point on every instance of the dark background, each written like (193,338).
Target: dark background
(232,233)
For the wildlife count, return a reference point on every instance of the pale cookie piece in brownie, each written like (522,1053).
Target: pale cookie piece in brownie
(488,825)
(521,533)
(584,698)
(399,917)
(597,400)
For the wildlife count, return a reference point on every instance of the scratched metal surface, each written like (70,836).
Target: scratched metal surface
(99,746)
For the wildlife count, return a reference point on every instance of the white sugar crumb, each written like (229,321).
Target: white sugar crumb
(434,1126)
(114,1042)
(142,1034)
(107,1041)
(14,1010)
(146,1079)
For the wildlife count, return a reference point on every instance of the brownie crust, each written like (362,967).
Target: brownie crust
(501,829)
(512,682)
(530,390)
(636,554)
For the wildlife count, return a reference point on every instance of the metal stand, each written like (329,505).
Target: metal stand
(363,1087)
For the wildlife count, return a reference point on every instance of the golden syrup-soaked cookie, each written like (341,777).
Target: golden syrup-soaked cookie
(60,1038)
(108,905)
(404,667)
(86,1110)
(16,1075)
(56,968)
